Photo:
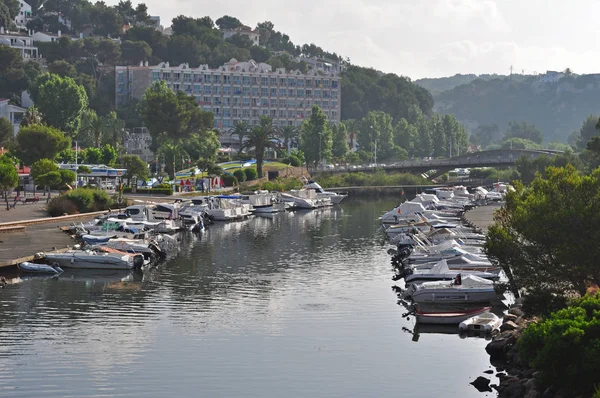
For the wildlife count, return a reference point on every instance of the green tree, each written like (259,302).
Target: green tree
(375,130)
(523,130)
(203,146)
(170,153)
(134,52)
(45,172)
(112,128)
(109,155)
(67,177)
(587,131)
(8,177)
(40,142)
(7,131)
(260,138)
(315,137)
(405,136)
(90,132)
(62,68)
(135,166)
(485,135)
(61,101)
(289,133)
(339,147)
(240,129)
(93,155)
(32,116)
(532,235)
(12,73)
(227,22)
(171,116)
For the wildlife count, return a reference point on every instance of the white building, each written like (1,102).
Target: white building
(247,31)
(20,41)
(550,77)
(46,37)
(23,16)
(13,113)
(137,142)
(240,91)
(321,64)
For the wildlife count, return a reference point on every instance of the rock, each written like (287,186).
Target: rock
(489,372)
(516,311)
(495,349)
(530,384)
(511,387)
(510,317)
(510,325)
(482,384)
(532,394)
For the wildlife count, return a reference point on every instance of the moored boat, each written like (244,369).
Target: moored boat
(39,268)
(87,259)
(448,317)
(486,322)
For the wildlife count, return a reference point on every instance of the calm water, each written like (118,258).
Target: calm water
(298,305)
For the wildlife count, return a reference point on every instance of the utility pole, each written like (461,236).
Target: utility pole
(76,164)
(320,134)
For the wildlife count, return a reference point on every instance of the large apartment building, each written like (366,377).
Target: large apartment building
(240,91)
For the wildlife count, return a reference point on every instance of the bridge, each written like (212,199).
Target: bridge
(437,167)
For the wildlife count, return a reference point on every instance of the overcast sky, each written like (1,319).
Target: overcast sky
(425,38)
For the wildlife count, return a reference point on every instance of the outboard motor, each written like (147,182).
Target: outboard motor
(156,249)
(138,261)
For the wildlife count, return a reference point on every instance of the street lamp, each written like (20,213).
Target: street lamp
(320,134)
(76,151)
(374,145)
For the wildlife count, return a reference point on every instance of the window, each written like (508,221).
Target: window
(207,90)
(237,80)
(155,75)
(254,81)
(216,111)
(246,101)
(325,104)
(318,83)
(273,81)
(217,89)
(325,94)
(227,101)
(265,112)
(246,90)
(226,90)
(217,101)
(207,78)
(236,101)
(292,82)
(283,81)
(226,79)
(273,92)
(176,76)
(197,88)
(246,80)
(309,83)
(234,111)
(226,112)
(300,82)
(309,93)
(264,92)
(246,113)
(187,77)
(206,101)
(255,91)
(334,84)
(264,81)
(166,76)
(264,102)
(334,93)
(176,87)
(318,93)
(216,79)
(237,90)
(334,114)
(282,92)
(255,113)
(300,93)
(282,113)
(291,113)
(273,102)
(197,77)
(273,113)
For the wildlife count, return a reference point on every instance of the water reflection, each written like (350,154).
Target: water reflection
(291,304)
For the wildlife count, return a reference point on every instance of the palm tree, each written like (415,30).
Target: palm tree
(288,133)
(170,153)
(31,116)
(91,128)
(240,129)
(260,138)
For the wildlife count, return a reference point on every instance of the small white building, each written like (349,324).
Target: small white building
(247,31)
(23,16)
(46,37)
(13,113)
(20,41)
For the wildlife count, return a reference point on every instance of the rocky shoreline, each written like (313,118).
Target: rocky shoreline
(515,378)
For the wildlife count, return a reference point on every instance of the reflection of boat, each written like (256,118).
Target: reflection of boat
(486,322)
(87,259)
(97,276)
(40,268)
(448,317)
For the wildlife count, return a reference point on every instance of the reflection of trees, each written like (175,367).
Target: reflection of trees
(215,276)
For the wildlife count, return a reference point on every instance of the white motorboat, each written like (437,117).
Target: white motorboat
(335,198)
(264,202)
(39,268)
(299,202)
(87,259)
(448,317)
(467,289)
(224,208)
(441,272)
(405,212)
(486,322)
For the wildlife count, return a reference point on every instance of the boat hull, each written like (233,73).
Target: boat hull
(450,295)
(89,261)
(448,318)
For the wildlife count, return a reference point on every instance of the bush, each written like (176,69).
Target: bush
(83,199)
(240,175)
(61,205)
(294,161)
(101,200)
(229,180)
(281,184)
(162,186)
(380,178)
(251,174)
(565,347)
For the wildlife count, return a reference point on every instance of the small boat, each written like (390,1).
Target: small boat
(486,322)
(40,268)
(448,318)
(468,289)
(87,259)
(440,271)
(335,198)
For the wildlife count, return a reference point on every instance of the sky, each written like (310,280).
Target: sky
(425,38)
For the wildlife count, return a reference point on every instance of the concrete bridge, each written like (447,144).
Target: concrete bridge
(437,167)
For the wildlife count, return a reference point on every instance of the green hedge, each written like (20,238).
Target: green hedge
(229,180)
(240,175)
(251,174)
(565,347)
(79,201)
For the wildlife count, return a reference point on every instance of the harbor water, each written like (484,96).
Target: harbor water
(298,304)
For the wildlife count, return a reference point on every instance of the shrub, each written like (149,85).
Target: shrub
(61,205)
(240,175)
(380,178)
(565,347)
(83,199)
(251,174)
(101,200)
(294,161)
(229,180)
(162,186)
(281,184)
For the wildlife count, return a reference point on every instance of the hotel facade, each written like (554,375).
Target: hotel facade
(240,91)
